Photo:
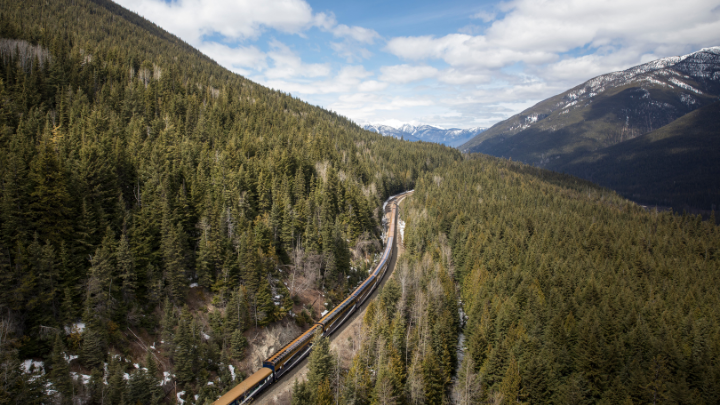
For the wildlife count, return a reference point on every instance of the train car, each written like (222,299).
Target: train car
(248,388)
(285,358)
(294,352)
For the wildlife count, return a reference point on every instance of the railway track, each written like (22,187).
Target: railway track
(294,353)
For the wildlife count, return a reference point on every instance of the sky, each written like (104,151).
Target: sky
(451,64)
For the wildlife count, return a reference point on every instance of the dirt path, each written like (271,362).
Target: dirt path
(341,342)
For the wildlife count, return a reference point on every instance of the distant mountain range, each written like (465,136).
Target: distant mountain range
(586,130)
(451,137)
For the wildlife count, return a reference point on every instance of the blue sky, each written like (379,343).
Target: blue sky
(452,64)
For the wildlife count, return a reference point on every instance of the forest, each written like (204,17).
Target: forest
(138,177)
(155,209)
(567,293)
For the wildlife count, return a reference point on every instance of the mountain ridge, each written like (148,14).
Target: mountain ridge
(451,137)
(690,78)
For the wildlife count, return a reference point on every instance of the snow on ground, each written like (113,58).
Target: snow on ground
(180,400)
(324,312)
(30,366)
(85,378)
(232,371)
(78,327)
(401,225)
(194,285)
(126,376)
(167,377)
(136,365)
(70,357)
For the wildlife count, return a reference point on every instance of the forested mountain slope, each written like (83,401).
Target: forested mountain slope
(573,295)
(132,168)
(675,165)
(568,294)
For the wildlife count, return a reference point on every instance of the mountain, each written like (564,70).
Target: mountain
(451,137)
(564,131)
(675,165)
(387,130)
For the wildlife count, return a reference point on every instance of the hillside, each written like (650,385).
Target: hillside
(566,293)
(163,221)
(675,165)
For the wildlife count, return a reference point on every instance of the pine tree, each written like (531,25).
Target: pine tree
(60,373)
(175,266)
(126,269)
(238,343)
(117,386)
(320,362)
(184,352)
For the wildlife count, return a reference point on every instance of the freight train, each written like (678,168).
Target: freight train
(294,352)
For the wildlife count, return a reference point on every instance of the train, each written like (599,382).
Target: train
(294,352)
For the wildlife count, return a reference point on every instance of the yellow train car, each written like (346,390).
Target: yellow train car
(295,351)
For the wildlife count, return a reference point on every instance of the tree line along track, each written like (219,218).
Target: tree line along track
(286,360)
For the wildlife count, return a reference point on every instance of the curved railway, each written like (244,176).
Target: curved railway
(294,352)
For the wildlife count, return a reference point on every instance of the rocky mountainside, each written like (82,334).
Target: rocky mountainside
(451,137)
(606,110)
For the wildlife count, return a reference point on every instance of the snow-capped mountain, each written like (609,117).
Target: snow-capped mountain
(451,137)
(607,109)
(649,132)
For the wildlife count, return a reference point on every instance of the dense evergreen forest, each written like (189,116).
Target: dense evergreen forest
(132,167)
(569,295)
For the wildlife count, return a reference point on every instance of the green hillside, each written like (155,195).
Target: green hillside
(132,167)
(570,295)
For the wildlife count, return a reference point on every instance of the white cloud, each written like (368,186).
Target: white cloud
(401,74)
(360,34)
(372,86)
(538,32)
(459,77)
(347,80)
(234,19)
(350,51)
(484,15)
(239,57)
(287,64)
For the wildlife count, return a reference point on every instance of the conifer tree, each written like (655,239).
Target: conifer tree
(60,373)
(126,269)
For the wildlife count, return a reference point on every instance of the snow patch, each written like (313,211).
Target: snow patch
(167,377)
(194,285)
(401,226)
(324,312)
(232,371)
(84,378)
(684,85)
(30,366)
(78,327)
(180,400)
